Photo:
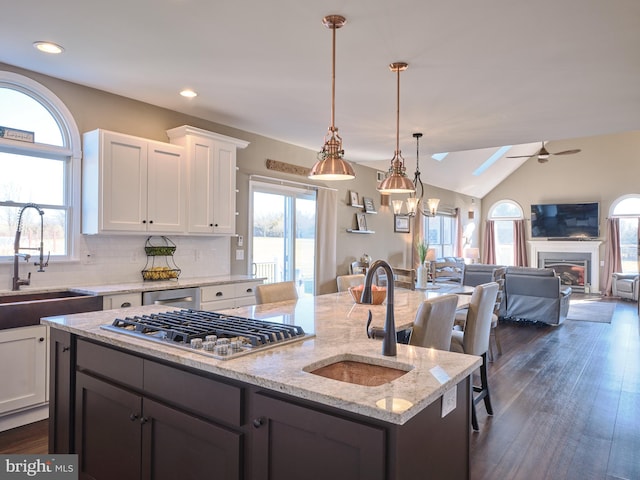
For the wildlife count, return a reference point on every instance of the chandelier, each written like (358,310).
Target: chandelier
(413,202)
(331,164)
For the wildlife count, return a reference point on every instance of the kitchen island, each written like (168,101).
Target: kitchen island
(262,415)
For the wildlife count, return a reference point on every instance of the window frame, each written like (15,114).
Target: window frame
(492,217)
(70,152)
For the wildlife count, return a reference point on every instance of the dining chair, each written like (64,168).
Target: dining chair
(404,278)
(474,340)
(433,323)
(346,281)
(276,292)
(498,277)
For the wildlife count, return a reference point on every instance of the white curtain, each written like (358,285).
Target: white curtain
(326,234)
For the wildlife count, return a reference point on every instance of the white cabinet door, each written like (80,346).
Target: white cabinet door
(166,188)
(23,367)
(224,189)
(123,300)
(123,168)
(201,152)
(131,184)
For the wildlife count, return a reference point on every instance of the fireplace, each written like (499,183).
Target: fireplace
(577,263)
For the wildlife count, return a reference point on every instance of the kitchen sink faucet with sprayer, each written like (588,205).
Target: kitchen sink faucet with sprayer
(17,281)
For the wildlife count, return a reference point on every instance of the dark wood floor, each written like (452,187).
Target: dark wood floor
(566,404)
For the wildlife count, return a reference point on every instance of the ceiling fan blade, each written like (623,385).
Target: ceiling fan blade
(523,156)
(567,152)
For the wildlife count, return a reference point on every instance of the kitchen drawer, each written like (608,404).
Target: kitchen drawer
(217,292)
(219,305)
(246,290)
(106,362)
(200,395)
(121,301)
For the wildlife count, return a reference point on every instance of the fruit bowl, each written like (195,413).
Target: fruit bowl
(378,294)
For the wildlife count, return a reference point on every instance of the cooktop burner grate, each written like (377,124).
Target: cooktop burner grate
(211,333)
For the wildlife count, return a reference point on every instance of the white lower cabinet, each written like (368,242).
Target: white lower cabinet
(232,295)
(122,300)
(23,368)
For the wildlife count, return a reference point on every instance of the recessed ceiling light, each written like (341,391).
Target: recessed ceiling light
(188,93)
(48,47)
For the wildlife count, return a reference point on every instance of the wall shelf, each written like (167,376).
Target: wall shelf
(350,230)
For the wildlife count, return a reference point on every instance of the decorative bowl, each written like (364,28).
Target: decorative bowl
(378,294)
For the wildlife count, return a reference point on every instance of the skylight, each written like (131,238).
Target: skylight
(491,160)
(439,156)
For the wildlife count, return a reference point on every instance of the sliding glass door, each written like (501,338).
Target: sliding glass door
(282,234)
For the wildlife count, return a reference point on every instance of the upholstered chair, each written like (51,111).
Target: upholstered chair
(625,285)
(474,340)
(276,292)
(433,323)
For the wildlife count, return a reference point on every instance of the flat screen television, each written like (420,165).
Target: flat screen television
(565,220)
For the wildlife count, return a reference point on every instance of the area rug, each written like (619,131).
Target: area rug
(591,310)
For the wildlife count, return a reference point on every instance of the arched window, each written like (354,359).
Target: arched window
(627,209)
(503,213)
(40,164)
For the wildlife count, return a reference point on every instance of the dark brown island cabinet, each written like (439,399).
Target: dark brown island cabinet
(134,417)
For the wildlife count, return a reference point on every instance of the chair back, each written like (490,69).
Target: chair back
(433,323)
(358,267)
(498,277)
(477,328)
(346,281)
(404,278)
(276,292)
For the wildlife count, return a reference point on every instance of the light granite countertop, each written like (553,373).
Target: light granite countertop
(338,326)
(140,286)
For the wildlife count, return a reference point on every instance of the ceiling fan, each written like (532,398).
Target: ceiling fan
(543,154)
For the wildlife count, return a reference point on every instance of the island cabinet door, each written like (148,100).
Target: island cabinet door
(108,433)
(291,442)
(176,445)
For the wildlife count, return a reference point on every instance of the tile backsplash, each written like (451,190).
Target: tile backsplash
(108,259)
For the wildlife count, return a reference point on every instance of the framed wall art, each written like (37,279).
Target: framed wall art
(354,199)
(361,218)
(401,223)
(369,207)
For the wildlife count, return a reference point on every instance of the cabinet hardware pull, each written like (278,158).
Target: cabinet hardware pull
(66,349)
(258,422)
(218,294)
(143,420)
(41,339)
(144,221)
(249,290)
(133,417)
(125,305)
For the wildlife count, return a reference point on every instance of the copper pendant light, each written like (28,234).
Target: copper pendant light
(396,180)
(331,164)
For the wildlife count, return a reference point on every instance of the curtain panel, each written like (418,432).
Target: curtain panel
(612,255)
(326,234)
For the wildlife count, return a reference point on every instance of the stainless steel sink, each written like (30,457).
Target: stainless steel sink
(359,370)
(25,309)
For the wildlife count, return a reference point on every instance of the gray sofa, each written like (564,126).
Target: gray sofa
(533,294)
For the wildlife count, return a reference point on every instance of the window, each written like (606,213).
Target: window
(440,233)
(627,209)
(503,213)
(283,232)
(42,172)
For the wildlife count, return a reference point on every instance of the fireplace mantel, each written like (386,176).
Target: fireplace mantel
(591,247)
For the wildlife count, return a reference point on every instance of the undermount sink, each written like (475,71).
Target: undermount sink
(358,370)
(25,309)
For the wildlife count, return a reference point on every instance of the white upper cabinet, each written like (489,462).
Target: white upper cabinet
(131,184)
(212,179)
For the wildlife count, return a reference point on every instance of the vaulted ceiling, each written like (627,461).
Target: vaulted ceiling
(481,74)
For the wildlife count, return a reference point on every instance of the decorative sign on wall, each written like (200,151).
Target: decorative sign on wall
(15,134)
(287,168)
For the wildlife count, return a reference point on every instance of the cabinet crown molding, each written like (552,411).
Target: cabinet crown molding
(184,130)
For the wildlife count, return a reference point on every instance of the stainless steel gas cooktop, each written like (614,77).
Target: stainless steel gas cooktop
(209,333)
